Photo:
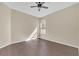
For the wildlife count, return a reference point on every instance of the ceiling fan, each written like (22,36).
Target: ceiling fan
(39,5)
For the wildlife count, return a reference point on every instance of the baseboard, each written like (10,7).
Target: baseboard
(44,39)
(3,46)
(63,43)
(17,42)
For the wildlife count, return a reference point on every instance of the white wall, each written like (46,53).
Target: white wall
(4,25)
(78,31)
(22,25)
(15,26)
(62,26)
(78,26)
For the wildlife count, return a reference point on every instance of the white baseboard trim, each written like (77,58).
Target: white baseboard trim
(17,42)
(4,46)
(44,39)
(63,43)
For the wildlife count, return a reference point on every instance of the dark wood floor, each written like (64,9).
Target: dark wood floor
(38,47)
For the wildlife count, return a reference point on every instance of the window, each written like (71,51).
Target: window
(43,27)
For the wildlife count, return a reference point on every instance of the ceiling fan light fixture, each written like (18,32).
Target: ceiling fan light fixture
(39,5)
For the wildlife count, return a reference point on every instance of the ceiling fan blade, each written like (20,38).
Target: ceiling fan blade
(39,5)
(44,7)
(42,3)
(37,2)
(33,6)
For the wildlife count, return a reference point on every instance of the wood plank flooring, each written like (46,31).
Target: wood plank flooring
(38,47)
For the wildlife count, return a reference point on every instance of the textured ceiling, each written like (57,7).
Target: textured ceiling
(52,7)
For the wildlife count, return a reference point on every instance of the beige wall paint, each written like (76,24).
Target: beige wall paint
(5,17)
(78,26)
(62,26)
(15,26)
(22,25)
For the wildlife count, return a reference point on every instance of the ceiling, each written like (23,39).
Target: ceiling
(52,7)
